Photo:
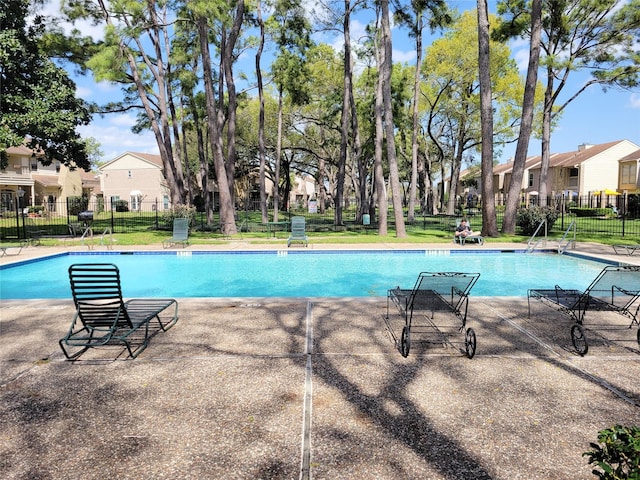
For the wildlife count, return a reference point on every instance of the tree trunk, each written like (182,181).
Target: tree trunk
(489,225)
(380,190)
(358,158)
(526,122)
(227,217)
(261,152)
(415,123)
(345,120)
(456,163)
(546,137)
(276,181)
(394,177)
(227,61)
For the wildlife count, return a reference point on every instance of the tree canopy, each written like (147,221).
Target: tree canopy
(38,104)
(371,132)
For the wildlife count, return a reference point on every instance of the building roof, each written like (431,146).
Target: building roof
(21,150)
(146,157)
(507,167)
(565,159)
(149,157)
(46,180)
(633,156)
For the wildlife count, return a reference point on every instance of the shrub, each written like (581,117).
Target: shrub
(121,206)
(589,212)
(528,219)
(618,456)
(77,205)
(178,211)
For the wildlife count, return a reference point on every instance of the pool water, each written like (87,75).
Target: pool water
(298,274)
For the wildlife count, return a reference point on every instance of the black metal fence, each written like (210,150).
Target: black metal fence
(71,218)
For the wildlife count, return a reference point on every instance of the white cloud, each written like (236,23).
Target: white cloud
(115,137)
(122,120)
(86,28)
(522,59)
(634,100)
(408,57)
(83,92)
(520,52)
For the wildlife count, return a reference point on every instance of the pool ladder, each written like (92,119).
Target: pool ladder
(533,243)
(88,234)
(563,244)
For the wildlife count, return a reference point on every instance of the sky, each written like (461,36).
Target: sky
(594,117)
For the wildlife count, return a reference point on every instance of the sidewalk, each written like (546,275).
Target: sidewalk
(312,388)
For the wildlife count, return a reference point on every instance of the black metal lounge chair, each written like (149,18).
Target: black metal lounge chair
(615,289)
(298,231)
(435,291)
(104,318)
(180,233)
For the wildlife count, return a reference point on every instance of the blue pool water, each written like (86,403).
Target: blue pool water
(298,274)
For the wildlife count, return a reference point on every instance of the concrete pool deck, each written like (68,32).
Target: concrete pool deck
(314,388)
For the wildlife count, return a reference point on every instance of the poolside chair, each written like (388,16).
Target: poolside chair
(104,318)
(626,249)
(5,249)
(180,233)
(298,231)
(474,237)
(615,289)
(435,292)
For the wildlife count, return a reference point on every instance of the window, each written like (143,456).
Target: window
(34,164)
(628,173)
(135,202)
(573,172)
(530,179)
(165,202)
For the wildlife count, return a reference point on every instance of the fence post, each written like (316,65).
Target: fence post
(17,218)
(68,214)
(157,224)
(113,228)
(624,211)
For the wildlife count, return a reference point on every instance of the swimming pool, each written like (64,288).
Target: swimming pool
(361,273)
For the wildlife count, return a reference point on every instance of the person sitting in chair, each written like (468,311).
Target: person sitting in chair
(464,231)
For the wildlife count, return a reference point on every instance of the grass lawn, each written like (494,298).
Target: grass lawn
(328,237)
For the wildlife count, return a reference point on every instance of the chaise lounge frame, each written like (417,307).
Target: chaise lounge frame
(626,249)
(435,291)
(615,289)
(104,318)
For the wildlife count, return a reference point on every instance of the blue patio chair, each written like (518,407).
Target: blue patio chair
(298,231)
(180,233)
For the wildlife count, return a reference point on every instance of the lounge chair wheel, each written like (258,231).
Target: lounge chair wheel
(470,342)
(579,339)
(405,341)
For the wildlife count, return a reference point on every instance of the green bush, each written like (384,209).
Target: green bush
(121,206)
(590,212)
(178,211)
(617,454)
(77,205)
(528,219)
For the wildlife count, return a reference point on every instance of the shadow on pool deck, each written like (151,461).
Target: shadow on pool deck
(222,394)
